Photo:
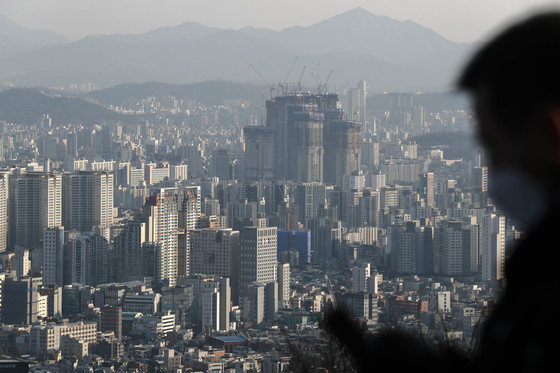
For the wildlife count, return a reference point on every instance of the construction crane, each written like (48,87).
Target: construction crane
(321,85)
(326,81)
(270,86)
(300,77)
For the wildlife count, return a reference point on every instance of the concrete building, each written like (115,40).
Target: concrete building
(492,246)
(189,205)
(34,204)
(258,161)
(215,252)
(357,104)
(20,300)
(88,200)
(129,258)
(110,320)
(212,302)
(343,149)
(283,274)
(44,338)
(258,256)
(53,256)
(89,259)
(4,189)
(160,212)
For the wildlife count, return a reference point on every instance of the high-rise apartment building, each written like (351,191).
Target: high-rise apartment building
(34,204)
(160,212)
(357,104)
(189,204)
(343,149)
(492,246)
(306,153)
(89,254)
(88,200)
(129,251)
(53,256)
(427,188)
(4,188)
(283,275)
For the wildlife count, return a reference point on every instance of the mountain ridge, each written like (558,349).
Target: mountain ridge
(390,54)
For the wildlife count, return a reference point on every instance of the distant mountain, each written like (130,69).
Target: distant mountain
(391,55)
(208,93)
(187,30)
(28,106)
(359,31)
(11,29)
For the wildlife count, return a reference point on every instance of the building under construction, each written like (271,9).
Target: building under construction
(313,140)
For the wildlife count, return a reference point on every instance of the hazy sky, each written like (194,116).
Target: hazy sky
(458,20)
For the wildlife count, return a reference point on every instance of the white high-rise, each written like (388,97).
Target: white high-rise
(357,103)
(258,256)
(160,212)
(360,276)
(3,211)
(492,246)
(34,204)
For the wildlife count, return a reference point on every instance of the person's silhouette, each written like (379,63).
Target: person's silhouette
(515,83)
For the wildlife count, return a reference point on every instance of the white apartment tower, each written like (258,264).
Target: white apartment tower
(34,204)
(160,211)
(360,277)
(283,274)
(492,246)
(357,103)
(3,211)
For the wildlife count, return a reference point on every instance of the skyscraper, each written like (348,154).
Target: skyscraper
(293,116)
(35,203)
(357,103)
(492,246)
(258,256)
(89,259)
(129,254)
(87,200)
(343,149)
(427,188)
(189,204)
(306,145)
(53,256)
(3,211)
(160,212)
(258,161)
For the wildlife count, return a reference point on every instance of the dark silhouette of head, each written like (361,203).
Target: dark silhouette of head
(515,82)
